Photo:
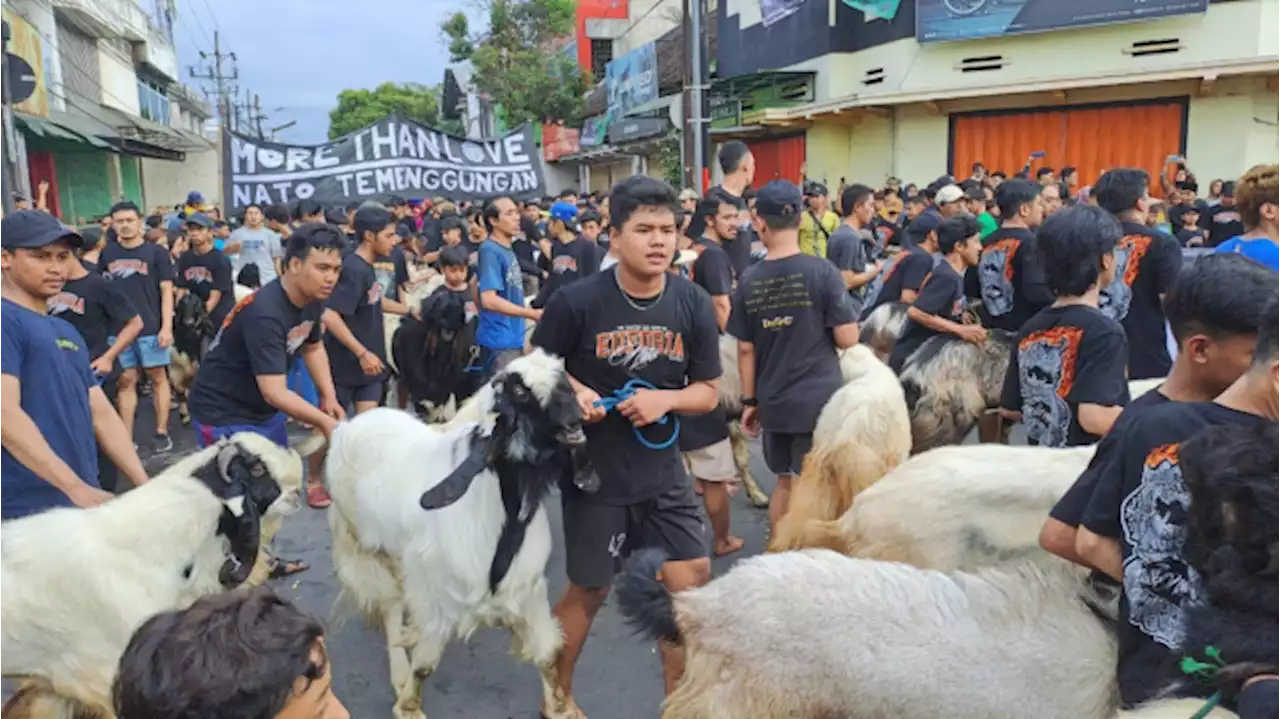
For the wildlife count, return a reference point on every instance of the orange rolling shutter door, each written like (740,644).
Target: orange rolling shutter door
(1090,139)
(780,158)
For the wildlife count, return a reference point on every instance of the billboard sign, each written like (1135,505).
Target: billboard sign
(632,80)
(941,20)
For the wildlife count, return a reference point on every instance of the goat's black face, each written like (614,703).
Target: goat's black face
(244,484)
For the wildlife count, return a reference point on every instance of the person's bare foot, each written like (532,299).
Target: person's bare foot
(730,545)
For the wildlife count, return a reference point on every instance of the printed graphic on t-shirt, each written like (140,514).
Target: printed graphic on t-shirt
(634,347)
(514,280)
(777,294)
(995,274)
(374,294)
(297,335)
(1115,298)
(127,267)
(564,263)
(386,274)
(1159,585)
(1046,373)
(65,302)
(197,274)
(470,310)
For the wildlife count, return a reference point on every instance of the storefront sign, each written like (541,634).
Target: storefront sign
(559,141)
(632,80)
(636,129)
(393,156)
(594,129)
(938,20)
(25,43)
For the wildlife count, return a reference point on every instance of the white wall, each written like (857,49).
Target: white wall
(119,80)
(167,183)
(1232,130)
(919,144)
(647,23)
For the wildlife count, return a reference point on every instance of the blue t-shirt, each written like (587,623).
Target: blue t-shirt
(499,270)
(49,358)
(1260,250)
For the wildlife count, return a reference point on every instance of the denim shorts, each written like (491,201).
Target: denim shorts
(145,351)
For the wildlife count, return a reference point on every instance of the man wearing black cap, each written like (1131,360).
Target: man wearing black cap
(902,275)
(818,221)
(790,314)
(204,271)
(49,456)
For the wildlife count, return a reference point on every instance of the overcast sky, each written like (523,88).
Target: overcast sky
(299,54)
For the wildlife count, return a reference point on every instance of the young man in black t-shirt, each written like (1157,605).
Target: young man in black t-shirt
(1147,265)
(851,246)
(1223,220)
(1214,312)
(241,385)
(939,308)
(1134,526)
(1066,378)
(632,322)
(790,315)
(204,271)
(901,276)
(704,439)
(573,256)
(739,167)
(1008,278)
(144,272)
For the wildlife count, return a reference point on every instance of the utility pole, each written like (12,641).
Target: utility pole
(695,96)
(10,176)
(212,72)
(258,117)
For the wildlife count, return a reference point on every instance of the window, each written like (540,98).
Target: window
(601,54)
(153,101)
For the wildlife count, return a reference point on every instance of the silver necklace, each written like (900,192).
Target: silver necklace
(635,305)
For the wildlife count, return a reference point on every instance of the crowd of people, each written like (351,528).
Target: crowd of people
(642,283)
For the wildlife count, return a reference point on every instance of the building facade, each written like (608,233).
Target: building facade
(867,100)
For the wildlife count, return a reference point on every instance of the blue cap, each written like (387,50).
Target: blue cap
(779,198)
(924,223)
(199,219)
(195,198)
(564,211)
(33,229)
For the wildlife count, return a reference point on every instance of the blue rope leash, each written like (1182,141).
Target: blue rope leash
(627,392)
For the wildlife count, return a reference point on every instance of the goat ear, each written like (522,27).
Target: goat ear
(452,487)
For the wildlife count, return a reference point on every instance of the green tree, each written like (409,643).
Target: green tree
(518,61)
(358,108)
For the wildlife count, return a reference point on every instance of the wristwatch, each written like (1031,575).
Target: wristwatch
(750,402)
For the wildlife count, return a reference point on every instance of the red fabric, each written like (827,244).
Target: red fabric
(41,168)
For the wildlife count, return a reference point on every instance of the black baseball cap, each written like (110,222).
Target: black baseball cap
(779,198)
(33,229)
(199,219)
(924,223)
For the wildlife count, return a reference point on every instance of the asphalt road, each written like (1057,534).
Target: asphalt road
(618,675)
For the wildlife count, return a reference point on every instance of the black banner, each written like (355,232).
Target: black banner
(393,156)
(939,20)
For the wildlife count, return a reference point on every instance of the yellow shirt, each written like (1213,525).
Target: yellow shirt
(812,240)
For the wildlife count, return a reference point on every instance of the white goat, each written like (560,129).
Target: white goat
(863,432)
(78,582)
(826,635)
(426,577)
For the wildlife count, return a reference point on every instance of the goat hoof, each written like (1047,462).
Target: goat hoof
(758,498)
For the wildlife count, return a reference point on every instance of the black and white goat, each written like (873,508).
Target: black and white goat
(881,329)
(192,331)
(477,557)
(949,384)
(432,354)
(78,582)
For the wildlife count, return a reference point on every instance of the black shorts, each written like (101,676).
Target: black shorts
(348,396)
(784,452)
(598,537)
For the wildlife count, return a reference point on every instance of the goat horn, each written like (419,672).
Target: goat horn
(225,455)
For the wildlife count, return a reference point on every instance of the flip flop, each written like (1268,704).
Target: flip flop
(318,497)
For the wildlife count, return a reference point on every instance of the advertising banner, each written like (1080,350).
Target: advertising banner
(632,80)
(939,20)
(771,11)
(559,141)
(25,43)
(393,156)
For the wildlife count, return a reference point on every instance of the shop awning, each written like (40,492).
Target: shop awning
(59,126)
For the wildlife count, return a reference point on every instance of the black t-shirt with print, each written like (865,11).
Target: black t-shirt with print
(787,309)
(739,248)
(942,294)
(139,272)
(1010,279)
(569,261)
(1147,265)
(1223,223)
(358,298)
(1064,357)
(98,309)
(392,272)
(713,272)
(904,271)
(1070,509)
(260,337)
(605,342)
(202,274)
(1140,500)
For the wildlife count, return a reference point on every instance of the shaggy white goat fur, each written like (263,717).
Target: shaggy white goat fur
(424,576)
(78,582)
(862,433)
(959,507)
(829,636)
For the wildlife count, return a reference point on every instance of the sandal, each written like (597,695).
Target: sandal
(284,567)
(318,497)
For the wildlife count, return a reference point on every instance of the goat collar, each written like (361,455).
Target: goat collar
(454,486)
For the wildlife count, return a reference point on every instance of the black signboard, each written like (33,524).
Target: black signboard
(636,129)
(393,156)
(939,20)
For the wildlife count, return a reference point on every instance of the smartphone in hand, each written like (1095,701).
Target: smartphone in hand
(1037,154)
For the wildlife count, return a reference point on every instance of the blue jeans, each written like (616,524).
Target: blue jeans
(299,381)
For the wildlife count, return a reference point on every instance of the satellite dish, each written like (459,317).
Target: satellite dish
(22,78)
